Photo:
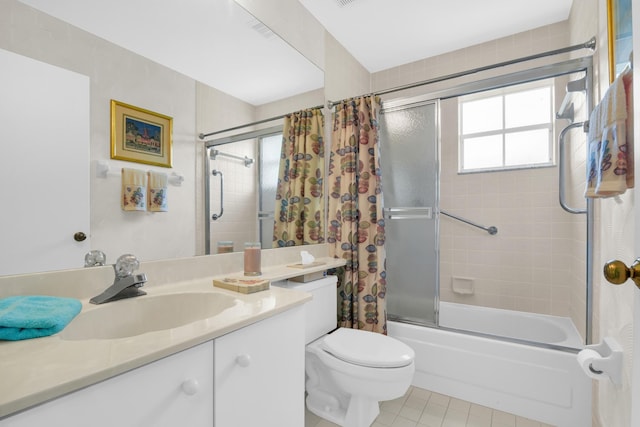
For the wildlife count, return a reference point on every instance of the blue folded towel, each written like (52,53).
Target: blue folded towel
(33,316)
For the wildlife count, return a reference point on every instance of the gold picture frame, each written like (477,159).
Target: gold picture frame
(141,136)
(620,34)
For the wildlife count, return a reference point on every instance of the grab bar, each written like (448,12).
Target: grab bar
(491,230)
(215,153)
(407,213)
(561,169)
(218,215)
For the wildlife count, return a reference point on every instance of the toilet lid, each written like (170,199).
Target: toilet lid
(366,348)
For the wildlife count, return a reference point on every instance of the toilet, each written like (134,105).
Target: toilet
(348,371)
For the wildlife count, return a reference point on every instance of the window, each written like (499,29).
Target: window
(508,128)
(270,147)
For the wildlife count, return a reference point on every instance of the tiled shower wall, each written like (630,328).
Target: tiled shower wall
(529,265)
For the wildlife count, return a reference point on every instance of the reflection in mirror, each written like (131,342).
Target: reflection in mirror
(247,198)
(116,71)
(286,185)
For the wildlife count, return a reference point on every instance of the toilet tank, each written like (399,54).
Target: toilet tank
(321,314)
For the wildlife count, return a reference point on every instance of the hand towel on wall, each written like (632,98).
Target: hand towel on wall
(157,183)
(608,160)
(134,190)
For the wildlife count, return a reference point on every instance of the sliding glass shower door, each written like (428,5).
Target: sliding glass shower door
(408,144)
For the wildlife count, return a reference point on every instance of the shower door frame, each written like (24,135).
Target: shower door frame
(583,64)
(207,172)
(417,212)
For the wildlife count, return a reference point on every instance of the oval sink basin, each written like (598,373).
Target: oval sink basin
(139,315)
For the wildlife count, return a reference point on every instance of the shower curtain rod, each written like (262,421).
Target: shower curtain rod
(591,44)
(205,135)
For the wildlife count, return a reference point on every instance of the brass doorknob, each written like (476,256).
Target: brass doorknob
(617,272)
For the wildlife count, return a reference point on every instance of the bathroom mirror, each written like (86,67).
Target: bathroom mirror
(117,72)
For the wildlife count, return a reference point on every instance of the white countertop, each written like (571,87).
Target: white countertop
(34,371)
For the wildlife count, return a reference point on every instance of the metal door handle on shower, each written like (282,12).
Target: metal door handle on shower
(561,168)
(218,215)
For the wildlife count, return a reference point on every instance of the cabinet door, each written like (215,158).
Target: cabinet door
(259,374)
(163,393)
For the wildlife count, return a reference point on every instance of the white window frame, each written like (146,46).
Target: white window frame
(503,131)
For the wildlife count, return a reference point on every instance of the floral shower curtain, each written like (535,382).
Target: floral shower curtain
(356,224)
(299,197)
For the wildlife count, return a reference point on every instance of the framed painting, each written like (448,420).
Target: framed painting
(139,135)
(620,35)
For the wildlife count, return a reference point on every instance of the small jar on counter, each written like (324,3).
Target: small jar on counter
(225,246)
(252,261)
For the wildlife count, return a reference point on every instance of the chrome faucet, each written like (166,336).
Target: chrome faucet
(126,284)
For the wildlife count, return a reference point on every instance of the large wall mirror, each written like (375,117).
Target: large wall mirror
(156,56)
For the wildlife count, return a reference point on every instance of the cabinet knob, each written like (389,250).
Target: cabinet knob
(190,386)
(243,360)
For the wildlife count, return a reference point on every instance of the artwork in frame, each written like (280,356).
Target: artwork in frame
(620,35)
(139,135)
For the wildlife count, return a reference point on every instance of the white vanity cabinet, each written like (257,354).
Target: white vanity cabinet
(259,373)
(174,391)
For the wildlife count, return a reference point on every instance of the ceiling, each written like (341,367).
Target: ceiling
(215,42)
(382,34)
(220,44)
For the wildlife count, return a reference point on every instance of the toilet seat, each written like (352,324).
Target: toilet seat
(367,349)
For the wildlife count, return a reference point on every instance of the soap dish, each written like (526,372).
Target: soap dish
(462,285)
(243,286)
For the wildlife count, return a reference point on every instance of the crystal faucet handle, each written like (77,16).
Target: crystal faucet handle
(126,265)
(95,258)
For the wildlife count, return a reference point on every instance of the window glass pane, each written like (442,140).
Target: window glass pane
(482,115)
(482,152)
(269,168)
(530,107)
(524,148)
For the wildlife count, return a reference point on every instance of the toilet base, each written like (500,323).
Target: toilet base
(327,407)
(361,412)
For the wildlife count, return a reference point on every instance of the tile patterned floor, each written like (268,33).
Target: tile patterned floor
(423,408)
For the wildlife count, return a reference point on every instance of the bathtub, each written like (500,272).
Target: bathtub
(539,383)
(540,328)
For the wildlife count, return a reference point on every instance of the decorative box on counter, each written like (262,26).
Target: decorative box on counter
(308,277)
(242,285)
